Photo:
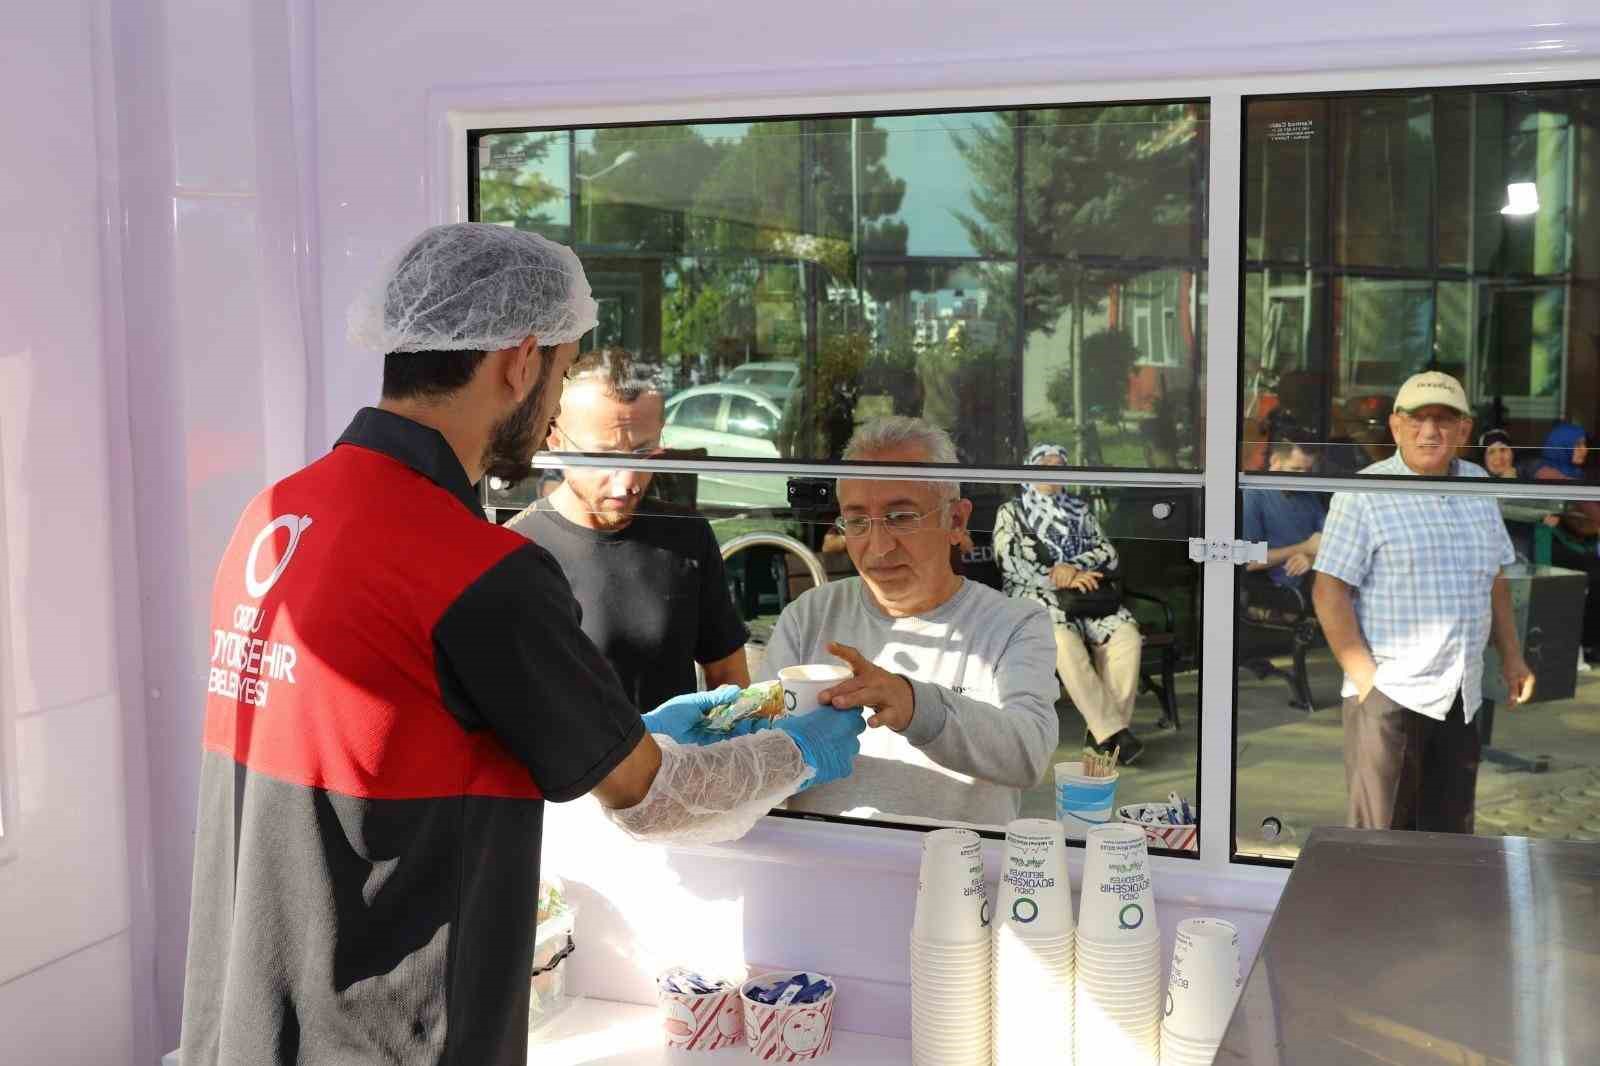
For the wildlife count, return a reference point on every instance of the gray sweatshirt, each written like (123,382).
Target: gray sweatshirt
(982,667)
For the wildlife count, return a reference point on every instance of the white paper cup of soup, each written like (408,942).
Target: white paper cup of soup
(802,684)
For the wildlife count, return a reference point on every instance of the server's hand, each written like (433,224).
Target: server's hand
(828,741)
(678,717)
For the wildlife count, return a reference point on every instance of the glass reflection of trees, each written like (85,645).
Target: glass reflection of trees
(1064,302)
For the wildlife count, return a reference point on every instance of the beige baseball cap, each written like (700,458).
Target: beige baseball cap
(1431,388)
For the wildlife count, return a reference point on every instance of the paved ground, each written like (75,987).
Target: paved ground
(1290,764)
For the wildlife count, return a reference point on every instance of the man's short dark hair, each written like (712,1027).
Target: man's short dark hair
(1291,441)
(623,375)
(432,375)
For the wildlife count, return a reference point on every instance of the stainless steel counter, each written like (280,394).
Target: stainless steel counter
(1416,948)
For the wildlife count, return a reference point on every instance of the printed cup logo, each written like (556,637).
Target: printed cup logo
(803,1032)
(1024,910)
(1169,1003)
(983,913)
(789,701)
(678,1020)
(1131,916)
(296,525)
(730,1019)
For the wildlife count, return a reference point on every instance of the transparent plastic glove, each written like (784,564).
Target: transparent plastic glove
(828,741)
(717,792)
(678,717)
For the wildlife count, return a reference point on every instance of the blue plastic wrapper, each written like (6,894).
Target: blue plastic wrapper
(688,983)
(796,989)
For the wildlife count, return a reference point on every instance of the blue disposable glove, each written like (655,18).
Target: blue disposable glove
(827,740)
(678,717)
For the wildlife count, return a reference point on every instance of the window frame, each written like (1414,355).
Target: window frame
(1219,874)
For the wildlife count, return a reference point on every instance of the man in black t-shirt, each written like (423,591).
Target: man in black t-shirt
(650,580)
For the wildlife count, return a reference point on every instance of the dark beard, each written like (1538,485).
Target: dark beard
(514,439)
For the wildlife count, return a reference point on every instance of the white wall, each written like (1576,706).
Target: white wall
(214,111)
(65,901)
(156,276)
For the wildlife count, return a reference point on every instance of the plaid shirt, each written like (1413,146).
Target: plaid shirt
(1422,568)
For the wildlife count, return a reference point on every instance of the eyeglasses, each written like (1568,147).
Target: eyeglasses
(896,522)
(647,451)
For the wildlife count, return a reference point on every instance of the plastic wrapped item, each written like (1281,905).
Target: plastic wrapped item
(717,792)
(554,944)
(764,699)
(474,287)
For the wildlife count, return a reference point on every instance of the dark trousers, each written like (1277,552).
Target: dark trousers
(1404,770)
(1588,563)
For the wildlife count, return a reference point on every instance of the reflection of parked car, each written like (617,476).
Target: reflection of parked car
(730,422)
(777,379)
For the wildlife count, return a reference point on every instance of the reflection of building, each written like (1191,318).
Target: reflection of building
(1381,239)
(949,315)
(1159,311)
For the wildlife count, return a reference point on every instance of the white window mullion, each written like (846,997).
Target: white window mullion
(1215,720)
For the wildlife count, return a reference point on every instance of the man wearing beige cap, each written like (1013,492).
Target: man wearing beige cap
(1411,589)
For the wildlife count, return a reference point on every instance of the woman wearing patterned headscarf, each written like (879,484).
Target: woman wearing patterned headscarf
(1049,540)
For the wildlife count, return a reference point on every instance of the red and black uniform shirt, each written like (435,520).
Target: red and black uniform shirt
(395,687)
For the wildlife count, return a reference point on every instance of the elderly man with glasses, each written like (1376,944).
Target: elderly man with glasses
(1409,594)
(959,679)
(655,601)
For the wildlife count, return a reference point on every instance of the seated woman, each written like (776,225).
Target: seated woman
(1578,535)
(1522,516)
(1046,541)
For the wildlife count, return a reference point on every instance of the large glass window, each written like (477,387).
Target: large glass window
(1134,669)
(1015,276)
(1380,651)
(1436,742)
(1390,233)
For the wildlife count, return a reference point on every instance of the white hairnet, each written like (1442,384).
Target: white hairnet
(474,287)
(702,795)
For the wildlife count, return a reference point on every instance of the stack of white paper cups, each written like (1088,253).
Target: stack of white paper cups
(1118,993)
(950,976)
(1034,948)
(1201,991)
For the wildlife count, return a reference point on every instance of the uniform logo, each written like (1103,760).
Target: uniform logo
(296,525)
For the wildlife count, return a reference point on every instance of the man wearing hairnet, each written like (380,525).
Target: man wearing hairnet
(396,685)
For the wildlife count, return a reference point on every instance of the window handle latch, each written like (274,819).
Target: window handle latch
(1232,552)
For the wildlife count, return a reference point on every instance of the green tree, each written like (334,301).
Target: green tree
(1108,358)
(1098,184)
(513,186)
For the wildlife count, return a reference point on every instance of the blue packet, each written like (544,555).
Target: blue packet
(814,991)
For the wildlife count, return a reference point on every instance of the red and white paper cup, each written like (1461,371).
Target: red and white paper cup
(793,1032)
(701,1022)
